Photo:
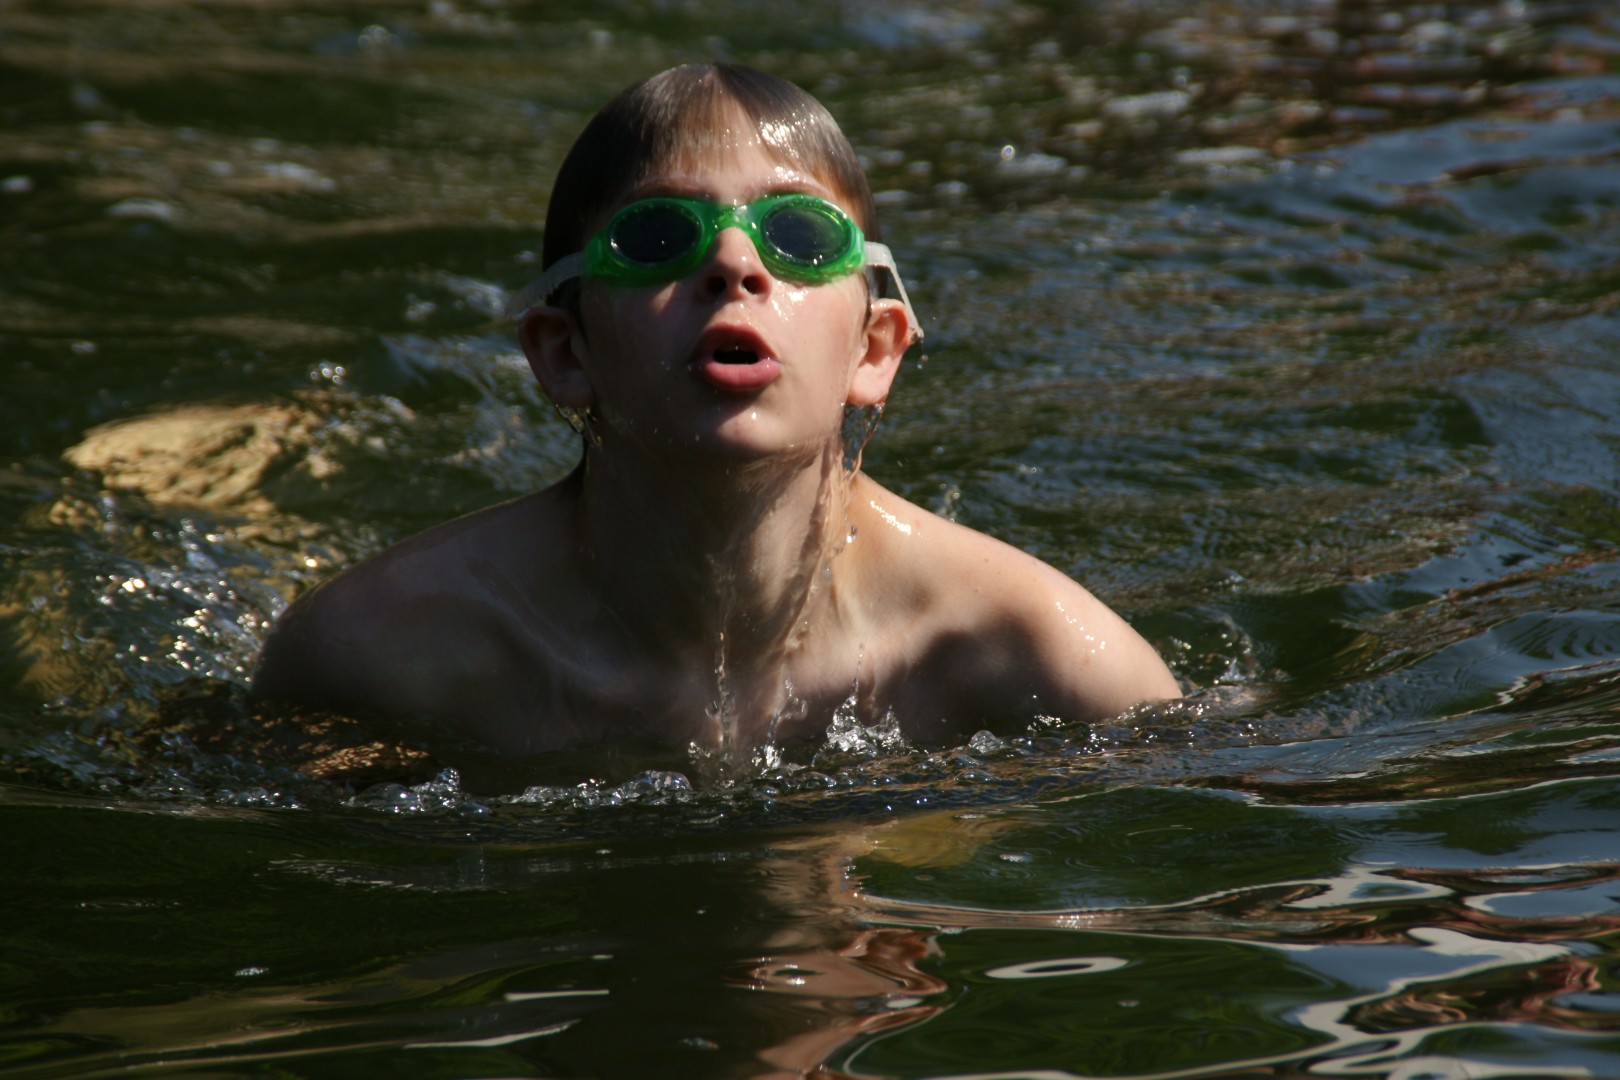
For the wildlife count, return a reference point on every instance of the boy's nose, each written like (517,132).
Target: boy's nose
(734,267)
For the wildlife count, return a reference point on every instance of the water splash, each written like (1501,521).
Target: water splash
(439,795)
(792,710)
(583,421)
(847,735)
(651,788)
(722,712)
(859,425)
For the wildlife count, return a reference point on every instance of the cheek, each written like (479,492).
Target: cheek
(833,316)
(621,324)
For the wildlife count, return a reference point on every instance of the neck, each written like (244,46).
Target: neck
(723,563)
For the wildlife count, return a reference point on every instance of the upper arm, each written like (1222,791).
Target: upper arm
(1029,640)
(397,640)
(347,646)
(311,656)
(1096,663)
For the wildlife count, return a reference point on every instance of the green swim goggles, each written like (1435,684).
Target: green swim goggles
(799,238)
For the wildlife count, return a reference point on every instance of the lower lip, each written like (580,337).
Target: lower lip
(738,378)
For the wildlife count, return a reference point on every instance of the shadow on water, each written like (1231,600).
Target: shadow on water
(1290,332)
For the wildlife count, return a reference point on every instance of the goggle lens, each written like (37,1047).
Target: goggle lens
(805,235)
(653,233)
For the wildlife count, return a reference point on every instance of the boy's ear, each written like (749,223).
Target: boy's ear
(556,349)
(888,335)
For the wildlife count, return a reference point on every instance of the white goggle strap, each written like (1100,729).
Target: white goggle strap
(565,269)
(539,290)
(879,257)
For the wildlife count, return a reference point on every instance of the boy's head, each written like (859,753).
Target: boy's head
(712,127)
(684,117)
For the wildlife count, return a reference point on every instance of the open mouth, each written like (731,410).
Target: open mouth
(735,360)
(736,354)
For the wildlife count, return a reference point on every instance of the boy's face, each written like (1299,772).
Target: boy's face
(732,360)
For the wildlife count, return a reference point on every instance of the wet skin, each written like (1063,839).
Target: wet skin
(710,574)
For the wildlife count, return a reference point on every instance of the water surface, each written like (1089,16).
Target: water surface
(1289,329)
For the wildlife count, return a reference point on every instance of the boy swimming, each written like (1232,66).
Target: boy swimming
(711,574)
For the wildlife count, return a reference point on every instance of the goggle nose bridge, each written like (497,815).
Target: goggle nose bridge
(731,217)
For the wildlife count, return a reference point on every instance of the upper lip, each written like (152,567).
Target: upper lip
(722,338)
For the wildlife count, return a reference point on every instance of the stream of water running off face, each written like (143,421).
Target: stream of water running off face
(738,744)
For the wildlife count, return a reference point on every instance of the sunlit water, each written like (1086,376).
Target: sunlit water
(1288,328)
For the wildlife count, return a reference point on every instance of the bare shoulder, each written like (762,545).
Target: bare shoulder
(400,632)
(1000,630)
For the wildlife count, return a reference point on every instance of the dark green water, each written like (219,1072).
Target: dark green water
(1291,328)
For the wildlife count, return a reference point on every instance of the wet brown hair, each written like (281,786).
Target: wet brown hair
(679,118)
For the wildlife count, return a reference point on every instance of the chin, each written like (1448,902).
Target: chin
(752,438)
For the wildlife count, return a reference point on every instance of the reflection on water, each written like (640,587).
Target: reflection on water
(1367,971)
(533,958)
(1289,329)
